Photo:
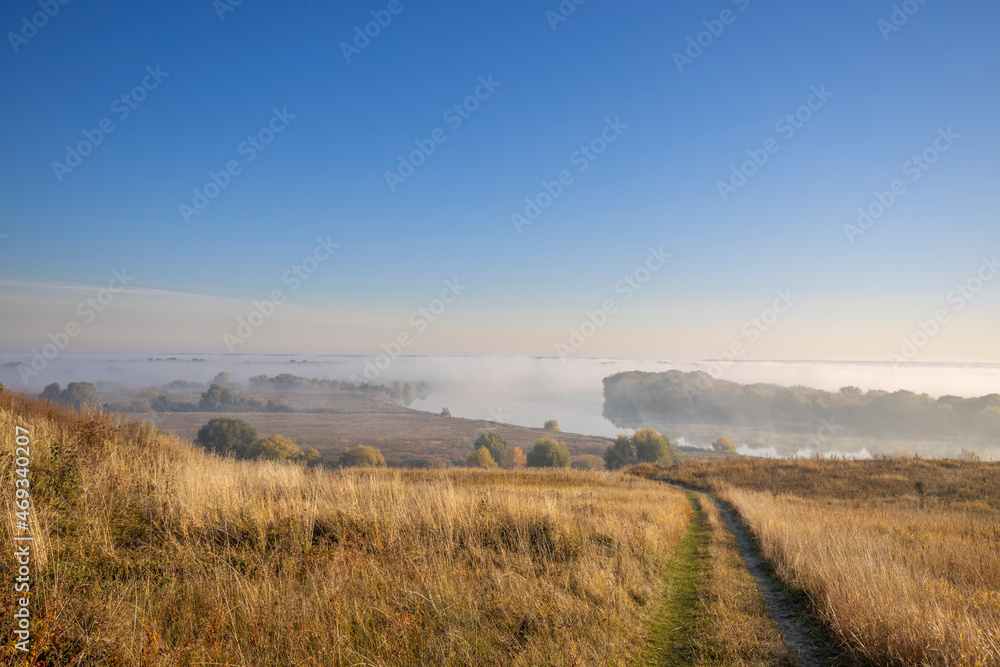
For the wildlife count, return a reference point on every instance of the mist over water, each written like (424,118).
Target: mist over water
(518,390)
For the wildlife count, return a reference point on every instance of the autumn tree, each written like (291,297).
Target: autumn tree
(278,448)
(724,444)
(481,458)
(362,456)
(494,443)
(514,459)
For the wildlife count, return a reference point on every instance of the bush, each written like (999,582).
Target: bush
(481,458)
(547,453)
(587,462)
(278,448)
(620,454)
(551,425)
(724,444)
(445,412)
(226,436)
(493,442)
(362,456)
(515,459)
(312,456)
(76,395)
(644,446)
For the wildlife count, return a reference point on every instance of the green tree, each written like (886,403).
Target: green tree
(445,412)
(547,453)
(226,436)
(493,442)
(652,447)
(52,392)
(278,448)
(218,398)
(481,458)
(620,454)
(551,425)
(362,456)
(259,379)
(79,395)
(724,444)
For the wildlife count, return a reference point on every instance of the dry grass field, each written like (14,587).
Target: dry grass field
(150,552)
(900,559)
(401,434)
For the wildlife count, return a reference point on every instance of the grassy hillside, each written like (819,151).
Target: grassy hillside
(150,552)
(401,435)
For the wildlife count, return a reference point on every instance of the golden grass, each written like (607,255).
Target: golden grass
(734,627)
(902,573)
(150,552)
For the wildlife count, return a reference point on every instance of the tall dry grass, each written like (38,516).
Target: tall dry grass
(897,585)
(150,552)
(735,628)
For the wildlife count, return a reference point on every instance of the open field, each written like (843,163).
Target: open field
(150,552)
(900,559)
(401,434)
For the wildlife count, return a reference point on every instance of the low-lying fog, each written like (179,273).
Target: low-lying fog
(518,390)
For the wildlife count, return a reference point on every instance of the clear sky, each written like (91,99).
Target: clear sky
(665,122)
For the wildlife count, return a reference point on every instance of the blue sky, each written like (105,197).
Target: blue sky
(655,185)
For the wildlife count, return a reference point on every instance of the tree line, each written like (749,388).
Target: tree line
(634,398)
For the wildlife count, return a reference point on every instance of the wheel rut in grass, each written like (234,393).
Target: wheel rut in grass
(674,625)
(786,615)
(798,630)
